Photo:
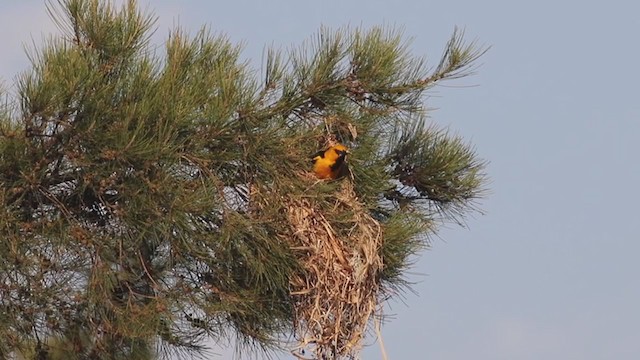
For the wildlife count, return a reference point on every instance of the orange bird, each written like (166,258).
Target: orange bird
(330,163)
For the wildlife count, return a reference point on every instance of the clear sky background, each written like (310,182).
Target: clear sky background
(552,270)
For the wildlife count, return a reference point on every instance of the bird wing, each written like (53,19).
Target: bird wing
(319,154)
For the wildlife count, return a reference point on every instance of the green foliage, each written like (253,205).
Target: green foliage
(435,170)
(142,195)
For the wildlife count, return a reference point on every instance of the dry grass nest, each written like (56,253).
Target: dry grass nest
(336,294)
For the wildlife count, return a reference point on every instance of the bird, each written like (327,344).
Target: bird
(331,163)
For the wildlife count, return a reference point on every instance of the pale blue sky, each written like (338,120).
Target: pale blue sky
(551,271)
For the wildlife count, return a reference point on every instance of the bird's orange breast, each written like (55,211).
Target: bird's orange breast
(322,169)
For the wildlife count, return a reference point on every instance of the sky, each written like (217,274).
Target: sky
(550,271)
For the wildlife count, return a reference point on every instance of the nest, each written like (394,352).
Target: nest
(337,292)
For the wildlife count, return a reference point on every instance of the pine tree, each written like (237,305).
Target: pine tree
(150,201)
